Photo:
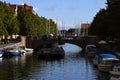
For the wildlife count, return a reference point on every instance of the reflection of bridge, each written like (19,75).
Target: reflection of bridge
(34,43)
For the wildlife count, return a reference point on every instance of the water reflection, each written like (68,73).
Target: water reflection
(73,67)
(0,60)
(71,48)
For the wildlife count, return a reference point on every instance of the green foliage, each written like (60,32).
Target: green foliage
(8,21)
(106,22)
(114,16)
(99,25)
(2,29)
(26,23)
(33,25)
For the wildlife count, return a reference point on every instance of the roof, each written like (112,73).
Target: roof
(90,45)
(102,42)
(107,55)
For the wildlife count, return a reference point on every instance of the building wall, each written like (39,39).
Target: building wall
(84,29)
(18,8)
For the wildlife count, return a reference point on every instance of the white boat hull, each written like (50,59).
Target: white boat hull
(13,52)
(28,50)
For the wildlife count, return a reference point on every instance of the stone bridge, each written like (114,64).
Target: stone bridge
(82,42)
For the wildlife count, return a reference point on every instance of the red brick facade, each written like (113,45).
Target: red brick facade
(84,29)
(18,8)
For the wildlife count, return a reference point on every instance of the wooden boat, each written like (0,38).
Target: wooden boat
(53,52)
(106,62)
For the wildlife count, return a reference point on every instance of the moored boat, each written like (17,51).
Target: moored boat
(106,62)
(12,52)
(90,50)
(53,52)
(28,50)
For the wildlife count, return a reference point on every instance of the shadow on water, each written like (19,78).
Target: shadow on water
(103,76)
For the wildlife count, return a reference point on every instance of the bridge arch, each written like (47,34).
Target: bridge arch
(82,42)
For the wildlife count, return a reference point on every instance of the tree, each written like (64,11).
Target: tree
(113,10)
(3,30)
(99,25)
(8,20)
(33,25)
(25,23)
(106,22)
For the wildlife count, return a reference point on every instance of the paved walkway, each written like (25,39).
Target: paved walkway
(4,46)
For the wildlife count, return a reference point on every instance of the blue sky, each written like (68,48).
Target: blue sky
(69,12)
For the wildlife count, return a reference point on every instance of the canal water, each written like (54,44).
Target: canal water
(74,66)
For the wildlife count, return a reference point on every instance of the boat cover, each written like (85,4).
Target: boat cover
(107,55)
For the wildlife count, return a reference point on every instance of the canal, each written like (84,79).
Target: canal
(74,66)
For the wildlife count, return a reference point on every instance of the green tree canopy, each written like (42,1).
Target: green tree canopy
(25,23)
(106,23)
(8,20)
(33,25)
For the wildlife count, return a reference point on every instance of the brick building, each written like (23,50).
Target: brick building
(84,28)
(18,8)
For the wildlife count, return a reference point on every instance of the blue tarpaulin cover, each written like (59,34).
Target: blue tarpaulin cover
(108,56)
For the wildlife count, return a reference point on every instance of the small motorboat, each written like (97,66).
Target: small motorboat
(106,61)
(28,50)
(90,50)
(12,52)
(53,52)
